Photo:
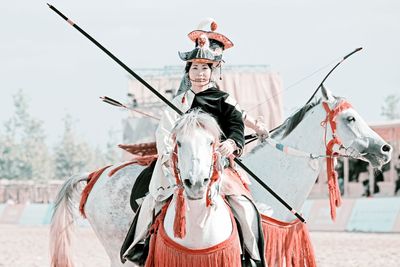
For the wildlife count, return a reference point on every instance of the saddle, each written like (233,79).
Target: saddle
(143,149)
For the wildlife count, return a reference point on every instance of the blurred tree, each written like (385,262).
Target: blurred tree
(23,152)
(102,157)
(71,155)
(390,108)
(113,152)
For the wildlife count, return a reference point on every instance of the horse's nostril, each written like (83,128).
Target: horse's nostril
(187,182)
(386,148)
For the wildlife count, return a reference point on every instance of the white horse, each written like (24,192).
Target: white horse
(291,176)
(186,226)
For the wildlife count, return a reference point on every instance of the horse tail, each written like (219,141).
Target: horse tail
(62,222)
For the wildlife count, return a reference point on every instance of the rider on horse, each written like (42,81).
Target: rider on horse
(198,90)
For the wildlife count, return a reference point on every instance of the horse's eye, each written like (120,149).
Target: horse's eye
(211,143)
(351,119)
(178,144)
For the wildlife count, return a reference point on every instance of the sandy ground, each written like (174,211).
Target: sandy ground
(28,247)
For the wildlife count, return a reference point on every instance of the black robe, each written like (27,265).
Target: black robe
(229,118)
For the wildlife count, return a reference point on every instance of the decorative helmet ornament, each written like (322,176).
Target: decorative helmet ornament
(202,53)
(208,27)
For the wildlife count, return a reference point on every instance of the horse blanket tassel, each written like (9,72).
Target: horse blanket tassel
(335,199)
(288,244)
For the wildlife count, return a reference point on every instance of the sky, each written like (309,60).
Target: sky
(62,72)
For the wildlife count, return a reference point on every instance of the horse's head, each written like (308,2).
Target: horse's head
(196,137)
(356,137)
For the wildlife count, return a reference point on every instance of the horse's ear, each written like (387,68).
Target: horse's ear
(327,94)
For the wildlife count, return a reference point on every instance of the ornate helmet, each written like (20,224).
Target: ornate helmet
(209,44)
(202,53)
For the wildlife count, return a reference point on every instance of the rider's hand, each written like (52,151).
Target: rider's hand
(261,129)
(227,147)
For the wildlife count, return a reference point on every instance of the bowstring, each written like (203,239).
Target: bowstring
(294,84)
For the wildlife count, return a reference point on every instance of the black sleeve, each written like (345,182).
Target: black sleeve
(232,123)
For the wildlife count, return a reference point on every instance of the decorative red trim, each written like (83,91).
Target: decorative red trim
(166,252)
(334,192)
(92,179)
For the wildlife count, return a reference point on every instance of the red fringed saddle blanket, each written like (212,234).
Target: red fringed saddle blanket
(164,252)
(287,243)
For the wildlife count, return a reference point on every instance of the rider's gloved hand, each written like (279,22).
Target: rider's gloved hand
(227,147)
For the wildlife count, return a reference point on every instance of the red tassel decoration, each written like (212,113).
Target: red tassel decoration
(180,218)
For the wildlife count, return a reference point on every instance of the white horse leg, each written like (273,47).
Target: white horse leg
(62,222)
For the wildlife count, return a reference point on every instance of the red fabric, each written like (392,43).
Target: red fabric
(289,242)
(92,179)
(164,252)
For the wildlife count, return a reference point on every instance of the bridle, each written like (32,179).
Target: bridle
(214,176)
(331,153)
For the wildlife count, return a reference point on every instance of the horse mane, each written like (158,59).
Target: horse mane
(194,120)
(291,122)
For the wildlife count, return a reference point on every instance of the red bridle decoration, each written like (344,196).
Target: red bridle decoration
(180,206)
(334,192)
(214,176)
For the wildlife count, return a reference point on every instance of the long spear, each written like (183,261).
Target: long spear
(238,162)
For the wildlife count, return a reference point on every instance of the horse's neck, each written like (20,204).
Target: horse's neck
(308,136)
(205,227)
(291,177)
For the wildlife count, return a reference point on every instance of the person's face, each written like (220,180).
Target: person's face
(199,74)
